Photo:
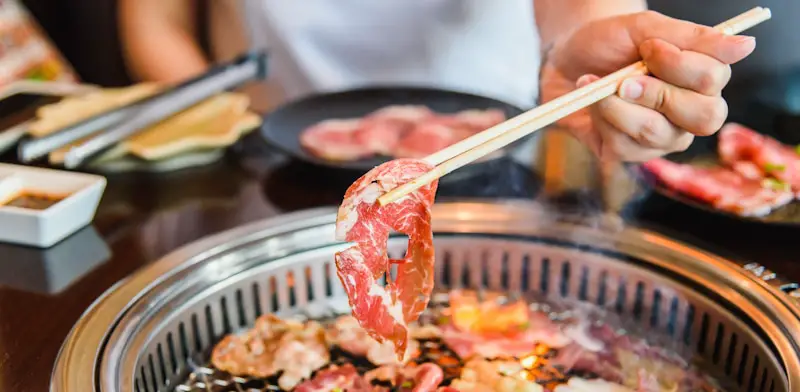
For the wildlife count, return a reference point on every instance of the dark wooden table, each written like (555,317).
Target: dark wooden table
(144,216)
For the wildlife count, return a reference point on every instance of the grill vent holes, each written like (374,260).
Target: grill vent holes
(583,290)
(565,276)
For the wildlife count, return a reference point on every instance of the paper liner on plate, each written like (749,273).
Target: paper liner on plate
(77,108)
(183,140)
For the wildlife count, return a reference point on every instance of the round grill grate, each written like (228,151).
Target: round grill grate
(154,331)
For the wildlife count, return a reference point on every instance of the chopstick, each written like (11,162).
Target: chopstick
(468,150)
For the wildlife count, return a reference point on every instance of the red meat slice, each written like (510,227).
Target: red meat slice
(381,135)
(721,187)
(754,155)
(382,130)
(425,139)
(406,113)
(335,140)
(423,378)
(469,344)
(479,120)
(343,378)
(385,312)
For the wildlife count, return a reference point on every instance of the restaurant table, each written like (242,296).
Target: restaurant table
(144,216)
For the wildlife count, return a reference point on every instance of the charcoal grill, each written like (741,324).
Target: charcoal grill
(153,331)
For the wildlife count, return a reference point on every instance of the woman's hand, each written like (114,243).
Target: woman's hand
(651,115)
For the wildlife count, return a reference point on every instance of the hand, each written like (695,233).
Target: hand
(651,115)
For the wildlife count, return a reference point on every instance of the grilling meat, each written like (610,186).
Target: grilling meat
(400,131)
(422,378)
(481,375)
(569,355)
(273,346)
(350,337)
(385,312)
(342,378)
(488,329)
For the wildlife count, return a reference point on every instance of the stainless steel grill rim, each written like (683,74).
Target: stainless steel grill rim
(176,308)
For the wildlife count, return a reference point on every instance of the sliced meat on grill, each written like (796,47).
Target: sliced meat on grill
(480,375)
(384,353)
(422,378)
(469,344)
(349,336)
(385,312)
(335,140)
(490,329)
(274,346)
(576,384)
(425,139)
(336,378)
(722,188)
(756,156)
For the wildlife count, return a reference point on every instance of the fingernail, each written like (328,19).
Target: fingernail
(631,90)
(744,39)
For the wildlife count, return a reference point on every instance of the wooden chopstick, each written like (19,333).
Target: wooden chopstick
(501,135)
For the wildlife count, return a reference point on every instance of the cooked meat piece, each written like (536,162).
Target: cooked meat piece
(480,375)
(273,346)
(341,378)
(422,378)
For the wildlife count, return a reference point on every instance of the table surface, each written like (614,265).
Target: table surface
(144,216)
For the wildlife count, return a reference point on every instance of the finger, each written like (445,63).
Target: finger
(684,68)
(617,146)
(685,35)
(645,126)
(696,113)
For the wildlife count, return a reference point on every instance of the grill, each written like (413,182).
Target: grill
(153,331)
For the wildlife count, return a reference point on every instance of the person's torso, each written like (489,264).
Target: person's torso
(478,46)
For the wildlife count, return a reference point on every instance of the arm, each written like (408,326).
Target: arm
(554,18)
(158,39)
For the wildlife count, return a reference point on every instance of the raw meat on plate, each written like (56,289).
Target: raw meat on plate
(335,140)
(758,156)
(425,139)
(400,131)
(720,187)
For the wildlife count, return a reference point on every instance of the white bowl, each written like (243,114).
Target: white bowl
(43,228)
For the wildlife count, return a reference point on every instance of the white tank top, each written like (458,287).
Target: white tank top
(479,46)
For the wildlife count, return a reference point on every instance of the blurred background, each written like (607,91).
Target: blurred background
(86,33)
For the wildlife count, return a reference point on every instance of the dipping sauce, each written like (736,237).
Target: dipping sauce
(34,201)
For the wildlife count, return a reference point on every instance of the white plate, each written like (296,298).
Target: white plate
(43,228)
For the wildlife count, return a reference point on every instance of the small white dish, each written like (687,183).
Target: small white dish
(80,194)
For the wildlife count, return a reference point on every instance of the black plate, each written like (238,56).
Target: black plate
(282,127)
(703,154)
